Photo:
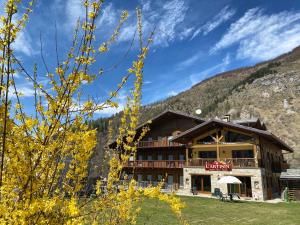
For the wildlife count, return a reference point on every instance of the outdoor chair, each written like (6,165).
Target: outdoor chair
(216,192)
(194,191)
(223,197)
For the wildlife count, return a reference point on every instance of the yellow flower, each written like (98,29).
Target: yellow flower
(103,48)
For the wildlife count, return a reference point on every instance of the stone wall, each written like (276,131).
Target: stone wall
(258,192)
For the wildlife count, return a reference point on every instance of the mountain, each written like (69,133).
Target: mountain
(268,90)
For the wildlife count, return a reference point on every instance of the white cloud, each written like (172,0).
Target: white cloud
(24,90)
(168,16)
(172,93)
(173,13)
(260,36)
(186,33)
(22,44)
(195,34)
(224,15)
(127,32)
(120,99)
(146,5)
(219,68)
(108,16)
(110,111)
(74,11)
(147,82)
(189,62)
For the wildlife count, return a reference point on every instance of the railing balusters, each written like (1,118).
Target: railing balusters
(156,163)
(155,143)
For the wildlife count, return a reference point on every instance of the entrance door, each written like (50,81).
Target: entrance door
(170,181)
(243,189)
(201,183)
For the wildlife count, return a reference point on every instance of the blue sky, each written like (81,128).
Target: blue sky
(194,40)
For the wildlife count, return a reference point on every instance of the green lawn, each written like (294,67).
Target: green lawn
(212,211)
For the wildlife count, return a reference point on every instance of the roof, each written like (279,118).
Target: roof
(163,115)
(252,122)
(184,137)
(290,174)
(168,113)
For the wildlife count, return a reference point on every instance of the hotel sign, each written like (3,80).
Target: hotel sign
(218,166)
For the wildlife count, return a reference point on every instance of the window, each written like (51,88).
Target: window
(140,157)
(242,154)
(149,157)
(170,179)
(130,176)
(207,154)
(181,156)
(159,156)
(236,137)
(159,177)
(140,177)
(181,181)
(149,177)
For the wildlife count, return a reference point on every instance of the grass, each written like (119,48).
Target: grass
(211,211)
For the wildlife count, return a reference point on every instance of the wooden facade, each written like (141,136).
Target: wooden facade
(159,158)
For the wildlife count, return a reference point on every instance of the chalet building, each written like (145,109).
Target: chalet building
(157,156)
(191,154)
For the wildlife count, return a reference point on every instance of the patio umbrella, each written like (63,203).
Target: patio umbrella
(229,180)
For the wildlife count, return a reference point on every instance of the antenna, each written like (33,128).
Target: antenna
(198,111)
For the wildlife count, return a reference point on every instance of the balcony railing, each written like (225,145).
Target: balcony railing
(236,162)
(160,143)
(156,163)
(195,162)
(165,186)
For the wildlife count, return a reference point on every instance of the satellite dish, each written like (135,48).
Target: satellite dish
(198,111)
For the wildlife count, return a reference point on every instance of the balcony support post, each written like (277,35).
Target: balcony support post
(218,148)
(186,156)
(255,155)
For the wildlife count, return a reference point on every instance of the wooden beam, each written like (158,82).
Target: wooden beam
(218,149)
(187,156)
(255,155)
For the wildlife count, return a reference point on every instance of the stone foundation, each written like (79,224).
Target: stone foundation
(256,175)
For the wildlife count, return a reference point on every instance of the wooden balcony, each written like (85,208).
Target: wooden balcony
(195,162)
(156,164)
(236,162)
(161,143)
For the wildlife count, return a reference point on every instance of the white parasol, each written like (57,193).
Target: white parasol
(229,180)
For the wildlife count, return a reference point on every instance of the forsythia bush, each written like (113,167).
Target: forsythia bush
(44,157)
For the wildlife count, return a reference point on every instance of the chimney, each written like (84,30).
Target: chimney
(226,118)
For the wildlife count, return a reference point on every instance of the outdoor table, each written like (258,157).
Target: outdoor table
(231,195)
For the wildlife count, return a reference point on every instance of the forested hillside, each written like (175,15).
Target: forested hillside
(269,90)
